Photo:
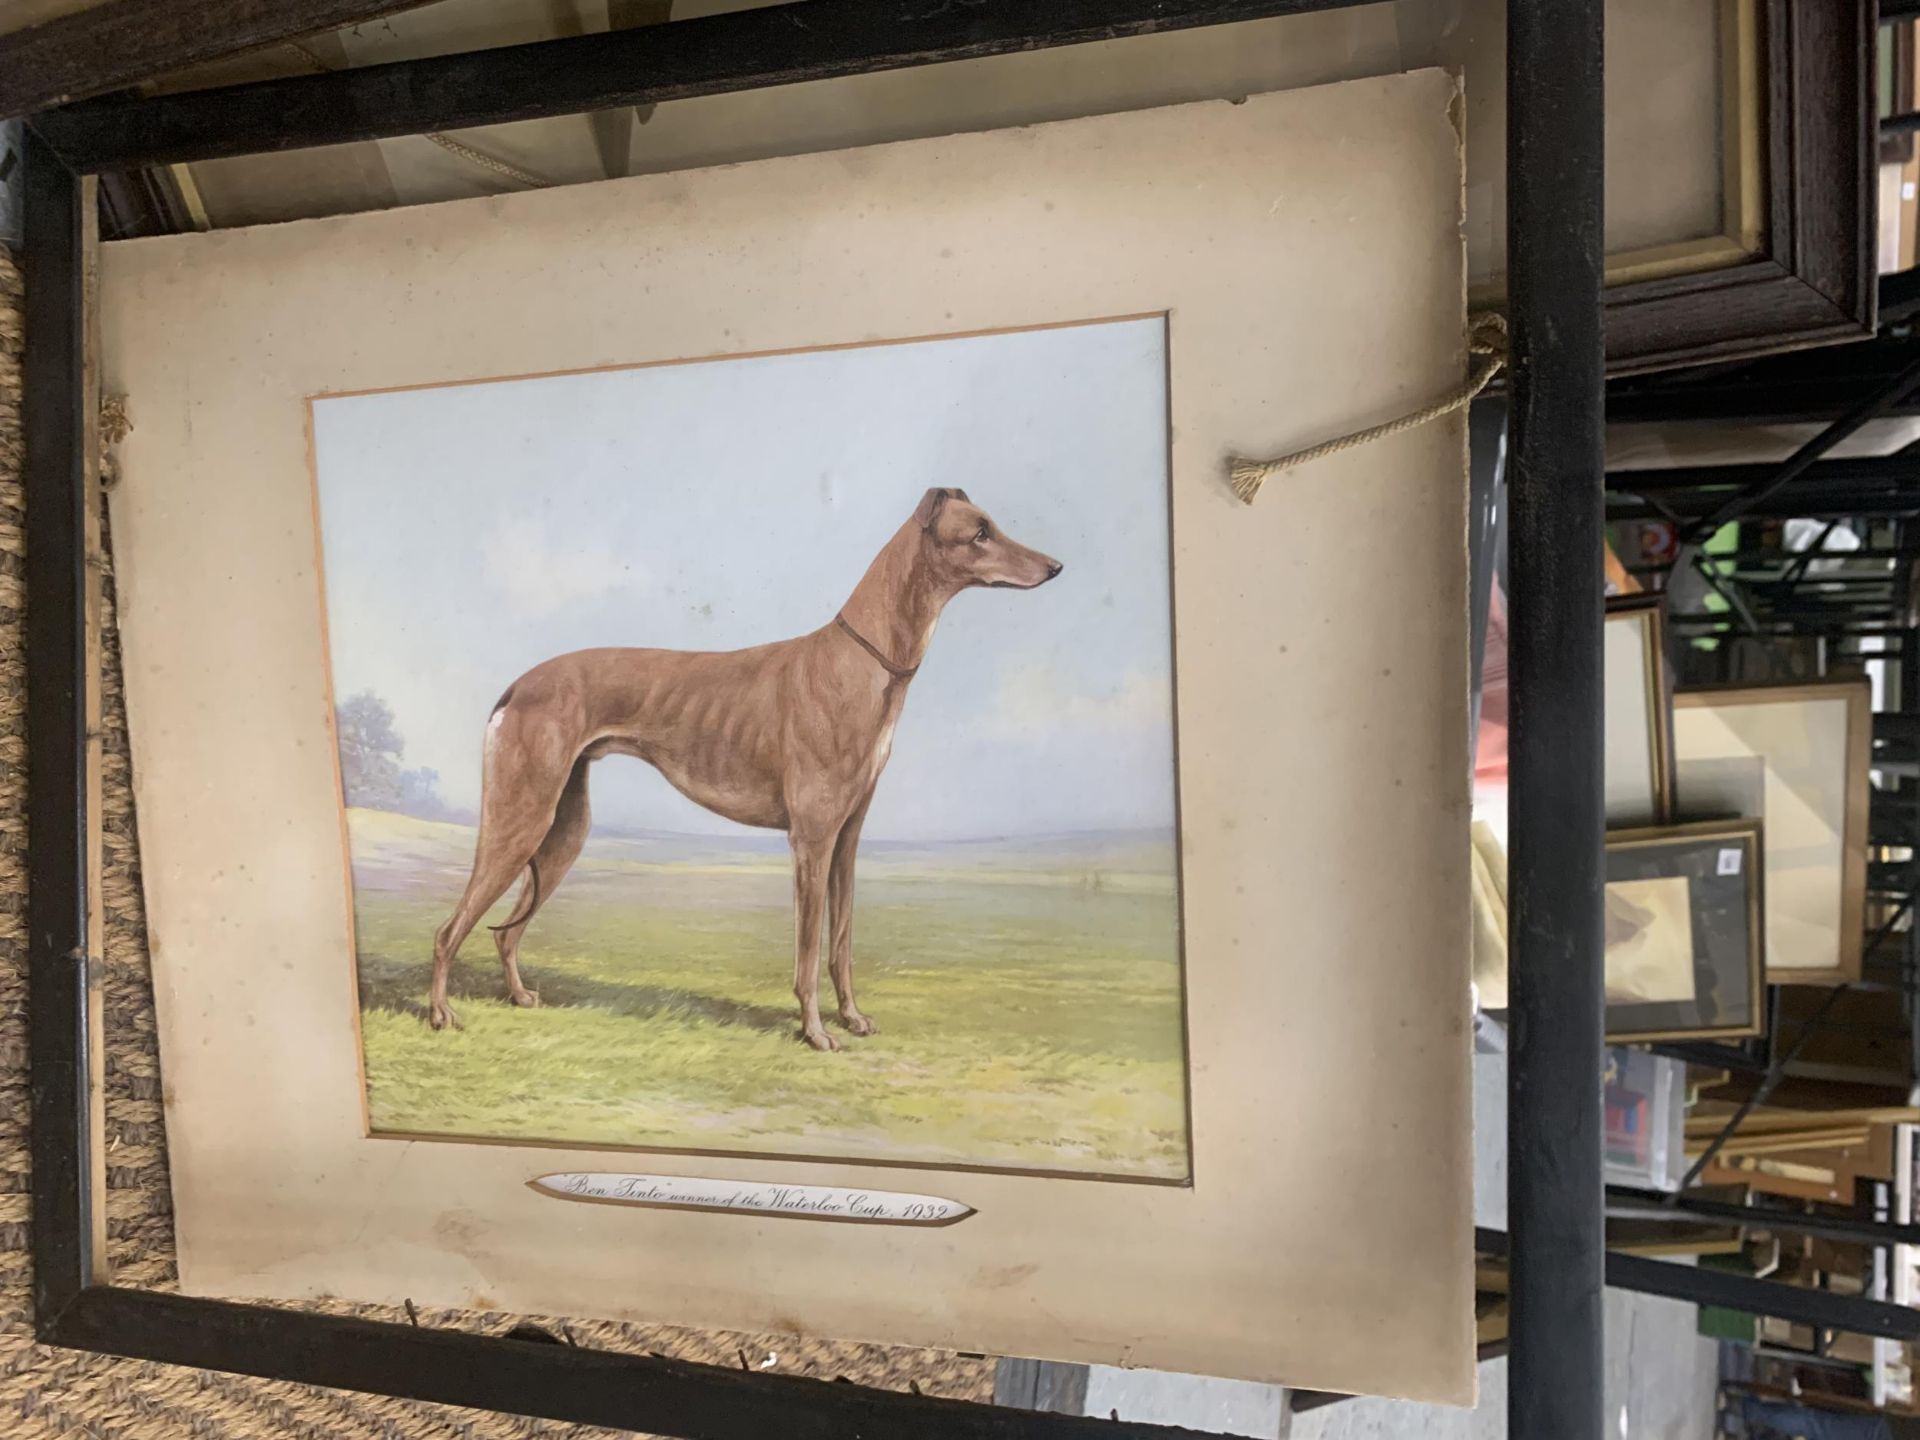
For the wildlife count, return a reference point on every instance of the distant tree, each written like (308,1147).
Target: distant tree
(370,754)
(420,794)
(370,751)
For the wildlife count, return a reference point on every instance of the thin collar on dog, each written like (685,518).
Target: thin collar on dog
(899,672)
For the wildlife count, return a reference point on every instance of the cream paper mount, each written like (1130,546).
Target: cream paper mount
(1221,1187)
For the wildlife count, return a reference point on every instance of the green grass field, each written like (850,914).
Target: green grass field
(1028,999)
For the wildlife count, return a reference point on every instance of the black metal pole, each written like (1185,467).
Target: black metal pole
(1699,1285)
(1802,460)
(53,421)
(1688,1209)
(1801,1304)
(1889,471)
(1852,505)
(1554,1193)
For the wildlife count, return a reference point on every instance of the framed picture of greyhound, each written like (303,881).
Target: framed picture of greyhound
(717,747)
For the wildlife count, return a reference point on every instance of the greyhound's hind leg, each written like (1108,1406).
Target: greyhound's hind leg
(572,818)
(494,869)
(492,876)
(518,797)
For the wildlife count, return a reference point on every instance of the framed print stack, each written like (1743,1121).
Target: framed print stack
(1684,936)
(716,748)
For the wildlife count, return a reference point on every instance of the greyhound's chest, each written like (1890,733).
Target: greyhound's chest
(836,749)
(870,749)
(882,751)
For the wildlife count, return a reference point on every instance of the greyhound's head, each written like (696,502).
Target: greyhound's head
(962,547)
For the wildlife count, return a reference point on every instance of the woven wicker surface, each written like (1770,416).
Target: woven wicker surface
(47,1392)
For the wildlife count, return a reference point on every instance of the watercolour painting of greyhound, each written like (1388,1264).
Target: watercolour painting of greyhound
(663,845)
(791,736)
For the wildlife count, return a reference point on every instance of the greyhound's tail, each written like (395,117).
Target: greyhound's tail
(528,902)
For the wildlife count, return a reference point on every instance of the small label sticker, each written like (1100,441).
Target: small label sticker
(806,1202)
(1729,862)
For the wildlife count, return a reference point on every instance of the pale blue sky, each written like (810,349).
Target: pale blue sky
(472,531)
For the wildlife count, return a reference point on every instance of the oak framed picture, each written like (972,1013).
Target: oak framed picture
(1801,751)
(1639,712)
(716,748)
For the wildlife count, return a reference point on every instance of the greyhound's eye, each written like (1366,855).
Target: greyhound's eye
(981,535)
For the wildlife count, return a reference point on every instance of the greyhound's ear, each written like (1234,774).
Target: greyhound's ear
(931,502)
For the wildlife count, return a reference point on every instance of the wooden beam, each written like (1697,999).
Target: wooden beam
(25,14)
(117,43)
(708,55)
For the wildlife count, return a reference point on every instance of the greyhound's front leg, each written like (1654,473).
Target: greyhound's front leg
(840,926)
(811,858)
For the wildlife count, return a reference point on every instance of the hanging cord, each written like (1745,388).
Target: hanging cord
(488,162)
(445,142)
(1486,338)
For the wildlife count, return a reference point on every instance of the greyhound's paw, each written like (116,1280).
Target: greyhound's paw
(858,1024)
(442,1016)
(525,999)
(819,1040)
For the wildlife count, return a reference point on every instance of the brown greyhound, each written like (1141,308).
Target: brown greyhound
(790,736)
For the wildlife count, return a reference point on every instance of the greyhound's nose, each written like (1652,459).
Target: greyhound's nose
(1054,567)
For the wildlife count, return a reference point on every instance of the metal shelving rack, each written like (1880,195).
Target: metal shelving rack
(1554,282)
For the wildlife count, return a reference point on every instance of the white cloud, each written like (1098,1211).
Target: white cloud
(1033,703)
(541,578)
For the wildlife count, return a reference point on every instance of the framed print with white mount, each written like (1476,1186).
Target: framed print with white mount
(1813,742)
(716,748)
(1684,932)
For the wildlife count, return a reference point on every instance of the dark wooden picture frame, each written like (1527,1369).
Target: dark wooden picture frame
(1556,110)
(1813,279)
(75,1303)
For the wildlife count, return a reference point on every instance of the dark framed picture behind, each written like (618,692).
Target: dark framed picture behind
(1802,216)
(1683,931)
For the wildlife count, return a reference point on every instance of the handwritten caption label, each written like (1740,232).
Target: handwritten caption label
(810,1202)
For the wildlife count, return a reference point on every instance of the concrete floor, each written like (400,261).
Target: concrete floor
(1661,1376)
(1660,1383)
